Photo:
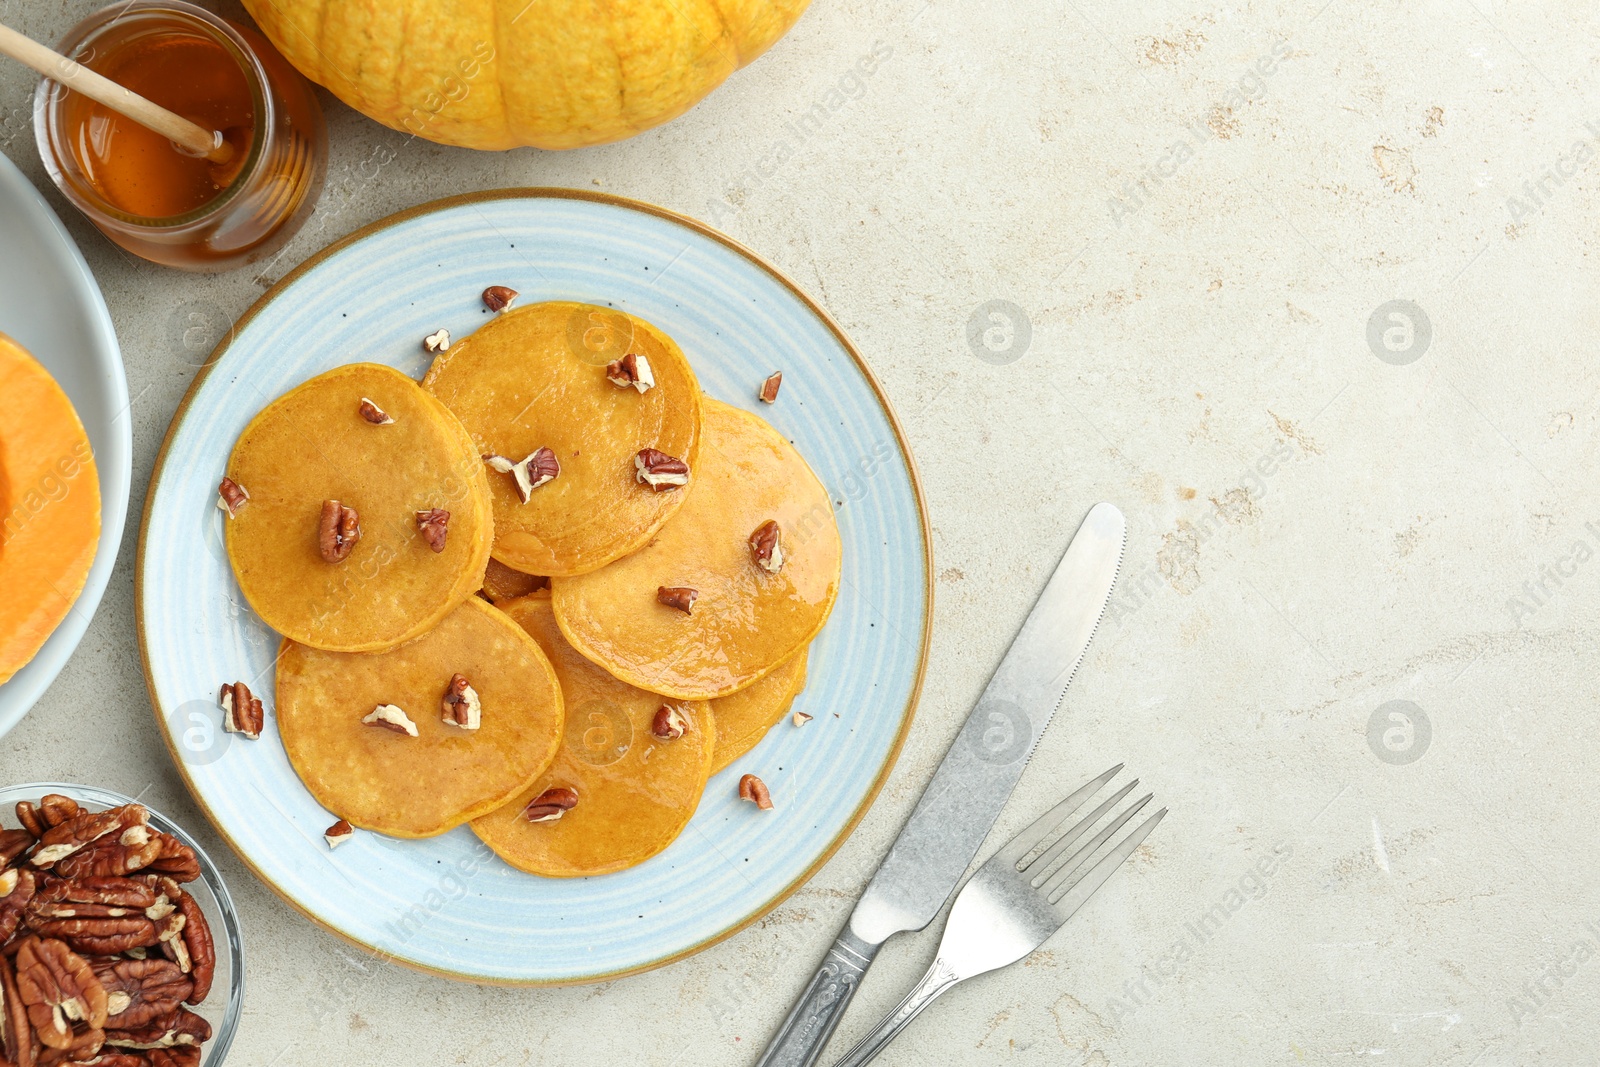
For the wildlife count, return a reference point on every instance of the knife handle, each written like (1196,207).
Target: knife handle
(799,1041)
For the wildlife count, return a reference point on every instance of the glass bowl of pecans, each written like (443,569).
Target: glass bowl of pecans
(119,944)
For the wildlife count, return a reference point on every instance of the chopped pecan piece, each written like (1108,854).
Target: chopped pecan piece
(800,718)
(13,844)
(677,596)
(766,547)
(231,496)
(374,414)
(390,717)
(338,530)
(60,991)
(669,723)
(631,370)
(438,341)
(530,472)
(138,991)
(338,834)
(660,471)
(241,710)
(17,888)
(498,297)
(461,705)
(769,388)
(551,804)
(434,525)
(755,791)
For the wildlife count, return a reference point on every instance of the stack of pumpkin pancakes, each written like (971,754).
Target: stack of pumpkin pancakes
(616,605)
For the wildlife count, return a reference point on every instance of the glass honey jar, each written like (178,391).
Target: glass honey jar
(154,198)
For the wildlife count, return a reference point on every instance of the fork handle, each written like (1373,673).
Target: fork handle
(799,1041)
(939,978)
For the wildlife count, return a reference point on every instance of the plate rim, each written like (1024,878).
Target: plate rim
(429,207)
(115,474)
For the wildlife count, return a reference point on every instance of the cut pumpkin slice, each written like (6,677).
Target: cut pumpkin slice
(535,378)
(743,619)
(635,791)
(406,456)
(377,774)
(49,506)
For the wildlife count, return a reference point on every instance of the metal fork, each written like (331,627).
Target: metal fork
(1017,900)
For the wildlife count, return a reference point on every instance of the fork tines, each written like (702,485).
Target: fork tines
(1067,883)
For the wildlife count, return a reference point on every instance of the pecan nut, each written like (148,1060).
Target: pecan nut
(766,547)
(498,297)
(14,844)
(755,791)
(390,717)
(241,710)
(374,414)
(669,723)
(114,854)
(438,341)
(338,834)
(434,525)
(530,472)
(660,471)
(16,1032)
(176,859)
(138,991)
(231,496)
(631,370)
(800,718)
(176,1029)
(338,530)
(60,991)
(461,705)
(61,841)
(28,815)
(56,809)
(551,804)
(769,388)
(194,950)
(677,596)
(17,888)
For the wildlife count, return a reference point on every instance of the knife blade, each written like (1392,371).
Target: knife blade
(961,802)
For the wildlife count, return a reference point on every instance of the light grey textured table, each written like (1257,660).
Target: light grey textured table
(1198,215)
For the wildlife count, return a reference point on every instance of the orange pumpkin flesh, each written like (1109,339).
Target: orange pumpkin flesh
(478,74)
(49,506)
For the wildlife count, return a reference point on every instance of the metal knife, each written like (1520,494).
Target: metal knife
(972,784)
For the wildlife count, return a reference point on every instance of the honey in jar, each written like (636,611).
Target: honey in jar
(151,196)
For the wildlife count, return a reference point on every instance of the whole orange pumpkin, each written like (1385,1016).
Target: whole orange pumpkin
(506,73)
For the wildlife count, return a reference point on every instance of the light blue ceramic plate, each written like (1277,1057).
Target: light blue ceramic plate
(50,303)
(448,905)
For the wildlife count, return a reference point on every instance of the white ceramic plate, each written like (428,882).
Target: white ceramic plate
(51,304)
(446,904)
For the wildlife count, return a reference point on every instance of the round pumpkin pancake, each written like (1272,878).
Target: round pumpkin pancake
(49,506)
(745,620)
(743,718)
(635,792)
(313,445)
(535,377)
(501,583)
(386,780)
